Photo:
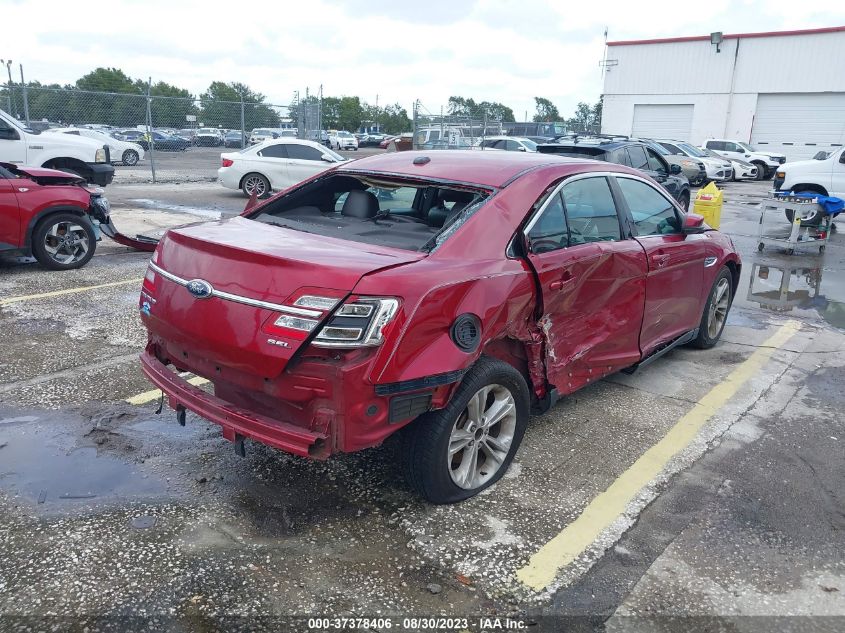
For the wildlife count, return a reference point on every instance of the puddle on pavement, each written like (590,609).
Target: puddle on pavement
(785,286)
(46,467)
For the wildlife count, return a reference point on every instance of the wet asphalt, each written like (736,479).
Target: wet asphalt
(113,516)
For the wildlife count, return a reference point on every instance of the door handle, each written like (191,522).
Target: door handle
(565,279)
(660,260)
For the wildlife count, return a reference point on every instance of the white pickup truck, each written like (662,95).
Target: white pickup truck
(84,157)
(825,176)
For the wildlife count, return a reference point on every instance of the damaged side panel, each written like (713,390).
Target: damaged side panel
(593,297)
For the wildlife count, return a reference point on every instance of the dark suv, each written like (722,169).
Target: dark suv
(625,151)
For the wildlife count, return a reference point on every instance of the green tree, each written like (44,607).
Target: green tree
(221,107)
(546,111)
(124,107)
(108,80)
(172,105)
(394,119)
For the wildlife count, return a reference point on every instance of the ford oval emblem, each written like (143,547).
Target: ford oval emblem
(200,288)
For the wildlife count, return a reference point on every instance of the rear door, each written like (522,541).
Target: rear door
(592,281)
(676,263)
(10,219)
(274,164)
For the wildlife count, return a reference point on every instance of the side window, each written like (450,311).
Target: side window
(434,135)
(550,231)
(620,156)
(652,212)
(716,145)
(512,146)
(672,149)
(637,156)
(274,151)
(303,152)
(590,211)
(655,163)
(731,147)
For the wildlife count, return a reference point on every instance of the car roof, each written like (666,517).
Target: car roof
(489,169)
(290,140)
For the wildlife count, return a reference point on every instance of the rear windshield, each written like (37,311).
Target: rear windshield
(415,216)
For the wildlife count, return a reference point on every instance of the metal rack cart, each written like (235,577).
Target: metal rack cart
(798,234)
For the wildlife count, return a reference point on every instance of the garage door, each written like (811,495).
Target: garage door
(799,125)
(662,121)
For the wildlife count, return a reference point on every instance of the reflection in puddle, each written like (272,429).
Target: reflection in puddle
(785,287)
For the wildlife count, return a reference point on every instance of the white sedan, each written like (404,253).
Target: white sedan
(274,165)
(121,151)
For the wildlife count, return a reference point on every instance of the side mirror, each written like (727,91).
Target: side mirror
(521,149)
(327,158)
(842,157)
(8,134)
(693,223)
(675,169)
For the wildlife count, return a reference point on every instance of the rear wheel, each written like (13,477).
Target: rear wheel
(456,452)
(683,200)
(715,311)
(63,241)
(257,184)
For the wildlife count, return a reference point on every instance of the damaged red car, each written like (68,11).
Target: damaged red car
(447,295)
(50,215)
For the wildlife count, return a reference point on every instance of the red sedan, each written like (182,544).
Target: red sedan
(47,214)
(447,295)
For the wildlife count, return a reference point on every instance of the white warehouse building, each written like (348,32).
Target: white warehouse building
(781,91)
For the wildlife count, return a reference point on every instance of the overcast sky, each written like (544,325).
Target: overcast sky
(495,50)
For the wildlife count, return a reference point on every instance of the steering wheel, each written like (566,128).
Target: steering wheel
(544,245)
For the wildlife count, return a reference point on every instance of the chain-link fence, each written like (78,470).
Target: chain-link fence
(156,137)
(457,130)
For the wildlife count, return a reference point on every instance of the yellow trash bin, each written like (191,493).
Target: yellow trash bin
(708,203)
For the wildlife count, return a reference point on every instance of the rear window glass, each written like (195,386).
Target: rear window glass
(417,217)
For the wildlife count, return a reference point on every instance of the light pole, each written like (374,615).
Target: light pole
(8,63)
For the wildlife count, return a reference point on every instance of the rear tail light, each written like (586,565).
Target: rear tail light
(358,322)
(227,162)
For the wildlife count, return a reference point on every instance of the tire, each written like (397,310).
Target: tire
(683,200)
(254,180)
(715,311)
(761,171)
(129,158)
(428,467)
(63,241)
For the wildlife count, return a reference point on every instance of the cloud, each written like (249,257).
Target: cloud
(493,50)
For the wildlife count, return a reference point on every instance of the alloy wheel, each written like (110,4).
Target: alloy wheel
(718,309)
(255,184)
(482,436)
(66,242)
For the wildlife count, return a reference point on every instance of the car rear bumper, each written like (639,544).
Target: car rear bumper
(234,420)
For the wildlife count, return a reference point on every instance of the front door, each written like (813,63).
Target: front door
(592,281)
(10,219)
(304,161)
(676,262)
(274,164)
(12,144)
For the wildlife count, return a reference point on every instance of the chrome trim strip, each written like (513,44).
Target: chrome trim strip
(227,296)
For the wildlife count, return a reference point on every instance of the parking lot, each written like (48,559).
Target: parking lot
(707,484)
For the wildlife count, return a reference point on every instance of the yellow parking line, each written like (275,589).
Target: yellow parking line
(153,394)
(68,291)
(606,508)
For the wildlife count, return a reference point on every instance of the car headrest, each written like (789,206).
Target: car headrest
(452,195)
(360,204)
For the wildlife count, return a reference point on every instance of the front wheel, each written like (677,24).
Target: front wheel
(715,311)
(456,452)
(63,241)
(129,158)
(761,171)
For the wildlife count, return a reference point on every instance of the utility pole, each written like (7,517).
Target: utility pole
(378,128)
(8,63)
(150,129)
(25,99)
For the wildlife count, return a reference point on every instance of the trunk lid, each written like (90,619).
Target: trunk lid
(246,262)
